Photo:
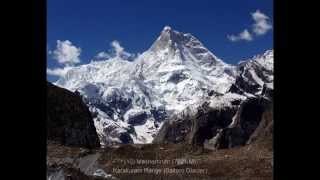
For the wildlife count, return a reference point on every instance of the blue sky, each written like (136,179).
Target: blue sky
(93,25)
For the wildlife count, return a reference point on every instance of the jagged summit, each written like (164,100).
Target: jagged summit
(167,28)
(170,38)
(178,48)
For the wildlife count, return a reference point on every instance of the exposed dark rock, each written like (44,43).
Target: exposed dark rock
(159,114)
(267,92)
(236,102)
(265,128)
(125,138)
(246,82)
(216,128)
(195,129)
(235,89)
(213,142)
(137,119)
(209,121)
(177,77)
(247,119)
(121,104)
(245,86)
(116,105)
(131,130)
(68,119)
(105,108)
(211,93)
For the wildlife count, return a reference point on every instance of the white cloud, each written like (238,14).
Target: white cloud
(103,55)
(66,53)
(117,47)
(261,25)
(116,51)
(60,72)
(244,35)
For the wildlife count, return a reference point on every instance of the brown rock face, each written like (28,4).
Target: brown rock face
(212,128)
(205,124)
(265,128)
(248,118)
(69,121)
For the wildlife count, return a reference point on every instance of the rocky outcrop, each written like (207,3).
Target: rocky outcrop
(195,129)
(245,123)
(125,138)
(68,119)
(138,118)
(223,127)
(265,128)
(254,75)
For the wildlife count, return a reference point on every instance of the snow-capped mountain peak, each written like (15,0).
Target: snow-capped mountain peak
(169,38)
(184,55)
(179,44)
(130,100)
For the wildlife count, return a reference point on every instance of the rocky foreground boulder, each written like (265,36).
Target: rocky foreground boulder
(69,121)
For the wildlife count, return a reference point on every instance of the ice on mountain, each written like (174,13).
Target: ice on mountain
(175,73)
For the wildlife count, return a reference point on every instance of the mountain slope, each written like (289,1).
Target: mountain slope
(69,121)
(130,100)
(255,73)
(231,119)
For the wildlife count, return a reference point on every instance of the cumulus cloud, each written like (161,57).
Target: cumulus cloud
(60,72)
(261,25)
(66,53)
(117,47)
(103,55)
(116,51)
(244,35)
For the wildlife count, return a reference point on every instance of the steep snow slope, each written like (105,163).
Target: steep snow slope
(255,73)
(180,71)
